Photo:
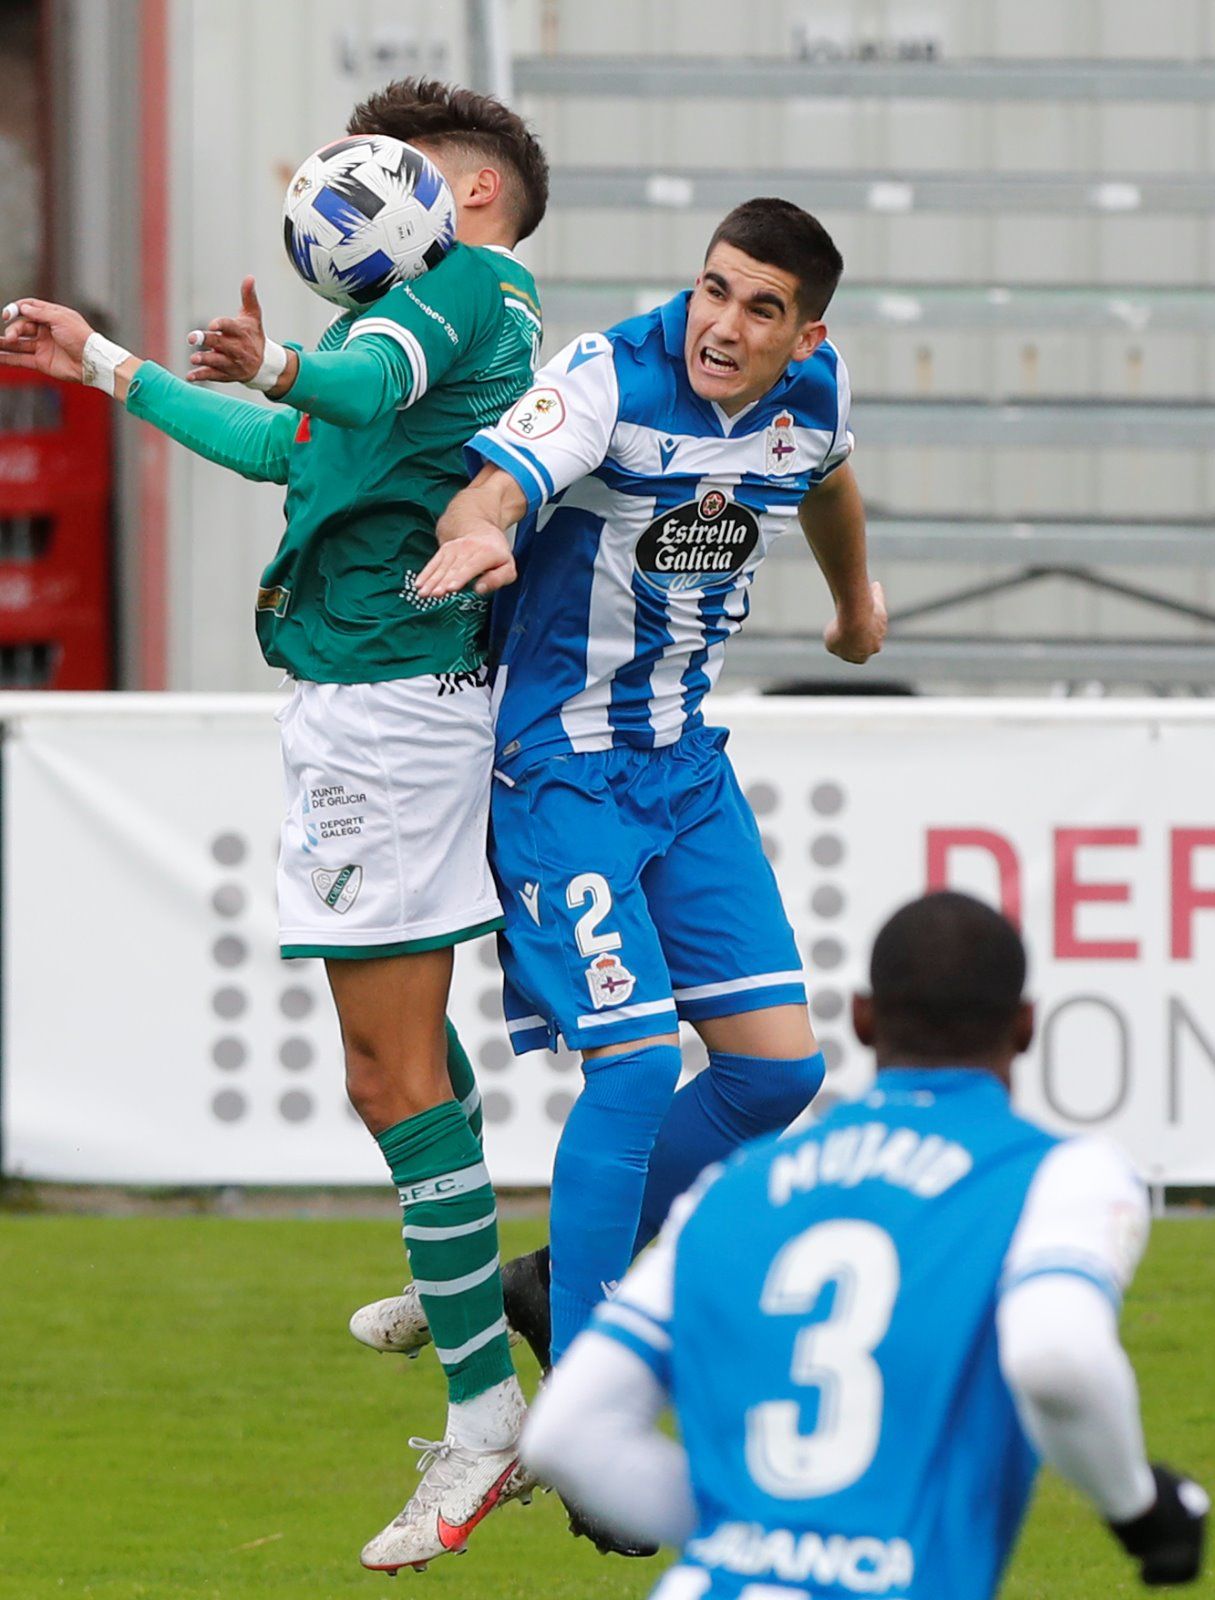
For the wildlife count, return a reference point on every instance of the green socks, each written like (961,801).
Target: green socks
(463,1081)
(451,1239)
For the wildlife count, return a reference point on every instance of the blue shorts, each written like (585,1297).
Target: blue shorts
(636,892)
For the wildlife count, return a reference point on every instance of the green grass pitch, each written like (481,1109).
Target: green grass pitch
(184,1417)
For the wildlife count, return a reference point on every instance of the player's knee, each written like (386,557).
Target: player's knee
(385,1089)
(767,1095)
(637,1081)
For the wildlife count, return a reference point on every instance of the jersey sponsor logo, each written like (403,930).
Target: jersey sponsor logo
(701,544)
(610,982)
(926,1165)
(537,415)
(275,599)
(457,682)
(865,1565)
(530,896)
(780,447)
(666,451)
(339,890)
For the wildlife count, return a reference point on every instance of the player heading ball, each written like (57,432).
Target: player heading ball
(650,469)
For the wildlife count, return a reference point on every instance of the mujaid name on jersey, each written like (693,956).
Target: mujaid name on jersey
(866,1565)
(926,1165)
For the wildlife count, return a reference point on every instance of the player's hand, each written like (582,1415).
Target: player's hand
(44,338)
(1167,1539)
(230,349)
(857,636)
(484,556)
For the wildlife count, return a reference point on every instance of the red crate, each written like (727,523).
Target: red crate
(56,627)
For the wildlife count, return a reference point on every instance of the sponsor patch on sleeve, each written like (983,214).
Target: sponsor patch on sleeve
(540,412)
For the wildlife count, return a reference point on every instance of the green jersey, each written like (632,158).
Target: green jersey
(338,603)
(388,399)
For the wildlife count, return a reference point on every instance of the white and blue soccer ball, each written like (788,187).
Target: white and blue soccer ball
(364,214)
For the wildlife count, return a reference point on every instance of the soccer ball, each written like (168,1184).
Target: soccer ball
(366,213)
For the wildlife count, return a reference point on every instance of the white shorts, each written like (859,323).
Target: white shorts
(387,788)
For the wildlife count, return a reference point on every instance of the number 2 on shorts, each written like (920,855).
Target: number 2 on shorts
(592,886)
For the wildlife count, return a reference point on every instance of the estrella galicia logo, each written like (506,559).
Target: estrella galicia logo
(702,544)
(339,890)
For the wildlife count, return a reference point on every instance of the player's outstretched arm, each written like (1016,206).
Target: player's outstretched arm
(1074,1251)
(58,342)
(593,1434)
(832,516)
(473,547)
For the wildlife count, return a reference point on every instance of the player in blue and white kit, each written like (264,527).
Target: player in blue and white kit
(924,1294)
(650,469)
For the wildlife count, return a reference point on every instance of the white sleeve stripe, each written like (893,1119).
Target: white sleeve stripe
(636,1322)
(521,460)
(527,311)
(402,336)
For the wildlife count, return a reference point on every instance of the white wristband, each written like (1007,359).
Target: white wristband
(274,359)
(99,361)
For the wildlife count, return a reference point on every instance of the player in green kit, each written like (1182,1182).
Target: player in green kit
(387,737)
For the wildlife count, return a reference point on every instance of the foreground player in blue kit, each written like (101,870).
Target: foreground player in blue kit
(924,1293)
(649,470)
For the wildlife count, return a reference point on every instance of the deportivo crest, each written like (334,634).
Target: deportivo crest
(538,414)
(701,544)
(610,982)
(781,447)
(339,890)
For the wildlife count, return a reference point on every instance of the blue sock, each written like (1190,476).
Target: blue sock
(599,1177)
(734,1099)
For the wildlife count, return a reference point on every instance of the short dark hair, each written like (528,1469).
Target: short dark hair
(783,235)
(477,125)
(947,974)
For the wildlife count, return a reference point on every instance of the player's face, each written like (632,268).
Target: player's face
(744,328)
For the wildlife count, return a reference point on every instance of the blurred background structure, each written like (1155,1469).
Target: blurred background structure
(1022,191)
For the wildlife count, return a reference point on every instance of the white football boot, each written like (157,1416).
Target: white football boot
(459,1489)
(398,1324)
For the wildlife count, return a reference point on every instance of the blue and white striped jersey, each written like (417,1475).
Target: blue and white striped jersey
(823,1313)
(649,511)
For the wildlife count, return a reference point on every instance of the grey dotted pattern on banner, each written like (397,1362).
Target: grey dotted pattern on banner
(828,902)
(557,1106)
(497,1105)
(231,1000)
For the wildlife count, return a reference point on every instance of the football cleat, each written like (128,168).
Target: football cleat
(399,1323)
(459,1489)
(605,1541)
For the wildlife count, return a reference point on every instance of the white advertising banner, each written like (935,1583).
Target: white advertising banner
(152,1035)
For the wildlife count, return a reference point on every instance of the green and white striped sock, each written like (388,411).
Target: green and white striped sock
(463,1081)
(451,1238)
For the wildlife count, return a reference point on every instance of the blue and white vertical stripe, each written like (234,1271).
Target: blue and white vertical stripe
(593,648)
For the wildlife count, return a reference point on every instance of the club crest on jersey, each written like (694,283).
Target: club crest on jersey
(781,448)
(610,982)
(275,599)
(538,414)
(699,545)
(339,890)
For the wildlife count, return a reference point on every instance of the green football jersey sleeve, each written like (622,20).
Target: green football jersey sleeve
(254,440)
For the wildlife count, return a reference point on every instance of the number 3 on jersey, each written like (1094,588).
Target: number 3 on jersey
(835,1356)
